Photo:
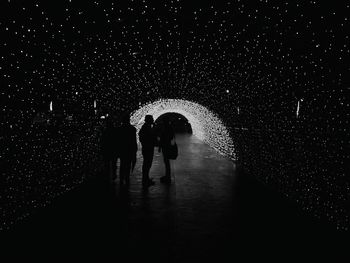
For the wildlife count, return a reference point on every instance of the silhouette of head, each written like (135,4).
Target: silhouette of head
(149,119)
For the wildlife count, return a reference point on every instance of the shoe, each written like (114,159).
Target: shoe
(165,179)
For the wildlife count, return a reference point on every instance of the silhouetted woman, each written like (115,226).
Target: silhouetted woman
(148,140)
(166,137)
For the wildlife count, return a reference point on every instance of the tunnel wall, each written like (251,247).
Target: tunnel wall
(309,168)
(41,162)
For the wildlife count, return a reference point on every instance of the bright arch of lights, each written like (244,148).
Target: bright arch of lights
(205,124)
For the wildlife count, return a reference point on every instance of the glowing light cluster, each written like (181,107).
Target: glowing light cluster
(205,124)
(48,162)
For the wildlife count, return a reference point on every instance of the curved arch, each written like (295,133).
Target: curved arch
(206,125)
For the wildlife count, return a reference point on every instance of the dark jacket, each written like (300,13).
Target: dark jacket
(109,143)
(127,144)
(148,137)
(167,135)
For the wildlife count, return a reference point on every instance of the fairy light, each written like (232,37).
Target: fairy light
(298,107)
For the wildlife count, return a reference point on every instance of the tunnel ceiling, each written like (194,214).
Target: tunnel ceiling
(260,57)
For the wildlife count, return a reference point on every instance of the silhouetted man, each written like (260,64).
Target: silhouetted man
(148,140)
(127,145)
(166,138)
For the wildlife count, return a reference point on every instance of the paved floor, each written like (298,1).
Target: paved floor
(210,212)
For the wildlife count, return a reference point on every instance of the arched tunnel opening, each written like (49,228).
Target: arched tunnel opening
(180,123)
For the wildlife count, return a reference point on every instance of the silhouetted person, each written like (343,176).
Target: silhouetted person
(166,137)
(127,145)
(109,148)
(148,139)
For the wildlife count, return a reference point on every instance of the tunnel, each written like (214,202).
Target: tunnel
(256,91)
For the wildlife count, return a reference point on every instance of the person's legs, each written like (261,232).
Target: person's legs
(147,164)
(127,172)
(122,170)
(167,177)
(167,167)
(125,167)
(114,168)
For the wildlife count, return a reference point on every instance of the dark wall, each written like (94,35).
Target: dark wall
(309,168)
(44,160)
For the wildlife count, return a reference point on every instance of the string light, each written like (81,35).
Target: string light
(298,107)
(205,124)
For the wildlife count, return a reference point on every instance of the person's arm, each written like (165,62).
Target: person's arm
(134,154)
(160,144)
(156,139)
(141,132)
(135,142)
(173,134)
